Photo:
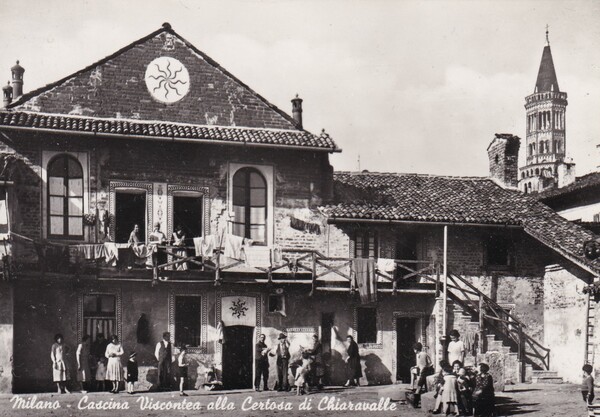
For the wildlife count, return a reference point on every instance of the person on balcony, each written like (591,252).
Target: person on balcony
(135,243)
(353,368)
(59,365)
(154,239)
(179,242)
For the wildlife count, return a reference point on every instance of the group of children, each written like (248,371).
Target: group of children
(131,376)
(458,392)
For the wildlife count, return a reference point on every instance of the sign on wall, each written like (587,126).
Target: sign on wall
(238,311)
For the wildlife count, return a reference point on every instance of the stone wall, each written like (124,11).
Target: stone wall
(565,320)
(51,307)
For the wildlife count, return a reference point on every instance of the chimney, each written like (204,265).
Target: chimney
(297,111)
(17,80)
(503,154)
(7,92)
(565,171)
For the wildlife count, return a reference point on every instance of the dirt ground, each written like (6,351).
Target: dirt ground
(528,400)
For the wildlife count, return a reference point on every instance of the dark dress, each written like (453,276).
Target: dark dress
(484,396)
(164,366)
(132,371)
(353,369)
(261,365)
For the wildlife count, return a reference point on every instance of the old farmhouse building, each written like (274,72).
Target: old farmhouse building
(275,240)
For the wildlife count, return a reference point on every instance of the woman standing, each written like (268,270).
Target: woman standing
(114,369)
(83,363)
(353,363)
(316,351)
(59,366)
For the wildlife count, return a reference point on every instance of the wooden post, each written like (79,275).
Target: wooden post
(445,278)
(218,268)
(314,274)
(481,323)
(437,280)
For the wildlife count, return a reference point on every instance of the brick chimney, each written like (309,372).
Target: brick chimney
(565,171)
(17,80)
(7,92)
(297,111)
(503,154)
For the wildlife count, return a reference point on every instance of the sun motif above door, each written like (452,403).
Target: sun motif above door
(167,79)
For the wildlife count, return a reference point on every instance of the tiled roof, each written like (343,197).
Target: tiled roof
(583,182)
(469,200)
(100,126)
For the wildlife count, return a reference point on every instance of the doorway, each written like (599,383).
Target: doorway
(238,350)
(130,209)
(405,339)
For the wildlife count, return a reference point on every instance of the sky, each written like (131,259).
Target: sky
(401,86)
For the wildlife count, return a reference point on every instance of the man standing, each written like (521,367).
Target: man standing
(164,357)
(261,364)
(283,360)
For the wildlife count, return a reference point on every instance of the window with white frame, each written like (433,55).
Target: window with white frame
(65,197)
(251,202)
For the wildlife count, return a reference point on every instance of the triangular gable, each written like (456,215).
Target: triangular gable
(160,77)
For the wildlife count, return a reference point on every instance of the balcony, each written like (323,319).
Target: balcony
(159,264)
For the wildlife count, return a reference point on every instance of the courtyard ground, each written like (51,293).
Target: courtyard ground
(527,400)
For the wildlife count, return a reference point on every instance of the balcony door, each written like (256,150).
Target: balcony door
(130,209)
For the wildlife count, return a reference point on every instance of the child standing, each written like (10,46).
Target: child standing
(449,394)
(302,373)
(132,372)
(420,371)
(182,366)
(587,386)
(101,374)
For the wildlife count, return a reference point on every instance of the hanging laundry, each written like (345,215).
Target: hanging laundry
(205,245)
(233,246)
(111,253)
(257,256)
(386,265)
(365,279)
(304,226)
(469,341)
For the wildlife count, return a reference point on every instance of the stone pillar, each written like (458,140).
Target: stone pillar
(6,336)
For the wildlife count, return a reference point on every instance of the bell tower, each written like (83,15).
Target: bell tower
(545,143)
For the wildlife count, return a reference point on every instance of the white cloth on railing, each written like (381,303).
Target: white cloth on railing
(233,246)
(205,245)
(111,253)
(386,265)
(258,256)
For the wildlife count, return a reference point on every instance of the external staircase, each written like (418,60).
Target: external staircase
(501,337)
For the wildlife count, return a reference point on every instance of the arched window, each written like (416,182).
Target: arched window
(65,197)
(537,171)
(250,205)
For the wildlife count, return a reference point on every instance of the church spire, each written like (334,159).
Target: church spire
(546,79)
